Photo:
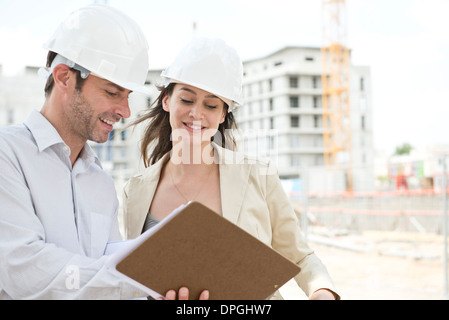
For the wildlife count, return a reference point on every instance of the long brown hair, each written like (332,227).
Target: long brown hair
(158,131)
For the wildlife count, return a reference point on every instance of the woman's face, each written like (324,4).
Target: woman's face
(195,114)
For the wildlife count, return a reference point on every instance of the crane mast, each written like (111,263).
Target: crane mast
(335,82)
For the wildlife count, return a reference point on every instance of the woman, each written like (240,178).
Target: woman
(188,126)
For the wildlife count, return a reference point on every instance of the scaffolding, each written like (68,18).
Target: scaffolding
(335,81)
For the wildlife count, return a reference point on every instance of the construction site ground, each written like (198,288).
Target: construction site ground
(380,265)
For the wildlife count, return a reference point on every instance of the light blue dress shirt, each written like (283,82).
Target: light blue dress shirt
(55,220)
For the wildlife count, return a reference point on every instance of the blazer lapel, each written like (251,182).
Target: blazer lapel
(234,177)
(140,195)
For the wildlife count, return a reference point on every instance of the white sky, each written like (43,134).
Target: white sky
(405,42)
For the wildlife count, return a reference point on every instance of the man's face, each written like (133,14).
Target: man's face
(93,110)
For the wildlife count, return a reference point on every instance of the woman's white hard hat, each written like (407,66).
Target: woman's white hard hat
(106,43)
(211,65)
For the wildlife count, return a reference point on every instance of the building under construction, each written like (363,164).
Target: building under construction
(284,118)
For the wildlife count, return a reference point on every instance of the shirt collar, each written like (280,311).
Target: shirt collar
(88,155)
(46,136)
(42,130)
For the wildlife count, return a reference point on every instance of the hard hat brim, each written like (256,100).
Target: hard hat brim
(129,86)
(136,88)
(232,105)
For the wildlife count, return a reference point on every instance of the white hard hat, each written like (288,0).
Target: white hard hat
(107,43)
(210,65)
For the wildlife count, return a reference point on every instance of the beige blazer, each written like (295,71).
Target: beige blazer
(253,198)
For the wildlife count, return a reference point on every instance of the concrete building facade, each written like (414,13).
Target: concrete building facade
(283,115)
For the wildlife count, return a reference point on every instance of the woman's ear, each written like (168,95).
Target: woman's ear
(165,104)
(223,116)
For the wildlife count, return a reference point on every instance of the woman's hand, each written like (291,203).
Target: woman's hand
(183,294)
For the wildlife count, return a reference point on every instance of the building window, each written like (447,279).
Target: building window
(10,116)
(294,141)
(295,160)
(315,102)
(123,154)
(272,143)
(316,122)
(362,120)
(271,123)
(111,135)
(362,84)
(309,59)
(270,85)
(314,82)
(294,102)
(248,90)
(362,104)
(109,152)
(123,135)
(271,104)
(294,121)
(294,82)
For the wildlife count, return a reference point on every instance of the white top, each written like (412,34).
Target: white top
(55,220)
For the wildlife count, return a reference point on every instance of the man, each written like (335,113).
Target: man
(58,207)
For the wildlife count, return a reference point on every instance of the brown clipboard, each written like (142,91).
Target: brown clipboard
(200,249)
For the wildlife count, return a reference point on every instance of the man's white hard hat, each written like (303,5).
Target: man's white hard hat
(106,43)
(211,65)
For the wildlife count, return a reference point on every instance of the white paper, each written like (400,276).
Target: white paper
(116,246)
(118,250)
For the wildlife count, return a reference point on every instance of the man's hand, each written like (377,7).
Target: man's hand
(322,294)
(183,294)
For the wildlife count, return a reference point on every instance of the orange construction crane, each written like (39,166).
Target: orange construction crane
(335,82)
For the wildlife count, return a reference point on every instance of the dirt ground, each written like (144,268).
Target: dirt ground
(381,266)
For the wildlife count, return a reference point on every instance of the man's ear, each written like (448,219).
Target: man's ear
(61,76)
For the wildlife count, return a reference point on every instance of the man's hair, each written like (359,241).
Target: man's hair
(50,81)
